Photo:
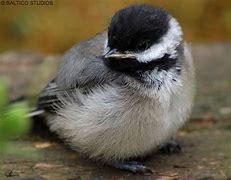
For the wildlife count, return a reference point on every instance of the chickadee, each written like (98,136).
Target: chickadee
(124,92)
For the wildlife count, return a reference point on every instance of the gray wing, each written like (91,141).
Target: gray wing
(81,67)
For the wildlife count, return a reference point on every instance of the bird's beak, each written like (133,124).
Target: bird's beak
(118,55)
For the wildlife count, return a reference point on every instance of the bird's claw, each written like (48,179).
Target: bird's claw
(134,167)
(171,147)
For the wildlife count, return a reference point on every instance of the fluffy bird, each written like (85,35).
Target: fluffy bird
(123,93)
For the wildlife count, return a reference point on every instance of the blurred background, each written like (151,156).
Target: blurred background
(54,28)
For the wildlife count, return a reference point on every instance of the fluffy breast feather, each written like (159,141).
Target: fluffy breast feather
(114,123)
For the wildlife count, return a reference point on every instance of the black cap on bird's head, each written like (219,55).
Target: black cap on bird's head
(137,27)
(140,34)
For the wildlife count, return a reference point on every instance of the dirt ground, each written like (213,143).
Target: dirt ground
(206,139)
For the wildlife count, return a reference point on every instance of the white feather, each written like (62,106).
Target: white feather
(114,123)
(167,44)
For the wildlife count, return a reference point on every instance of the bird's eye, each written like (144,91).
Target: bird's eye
(143,46)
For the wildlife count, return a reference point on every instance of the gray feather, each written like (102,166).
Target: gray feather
(82,66)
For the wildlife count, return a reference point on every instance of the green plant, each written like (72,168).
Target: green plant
(13,123)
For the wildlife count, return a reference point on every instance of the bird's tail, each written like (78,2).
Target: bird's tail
(35,112)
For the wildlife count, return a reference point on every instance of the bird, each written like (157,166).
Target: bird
(125,92)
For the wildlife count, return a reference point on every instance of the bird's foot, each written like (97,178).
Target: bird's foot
(171,147)
(134,167)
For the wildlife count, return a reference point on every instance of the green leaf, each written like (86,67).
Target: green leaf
(14,121)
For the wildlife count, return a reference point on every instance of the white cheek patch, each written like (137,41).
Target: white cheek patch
(106,48)
(167,44)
